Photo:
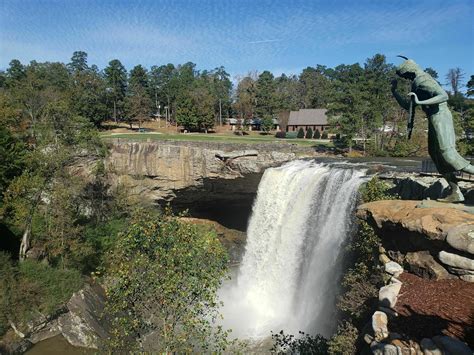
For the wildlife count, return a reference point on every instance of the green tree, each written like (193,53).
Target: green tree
(309,133)
(266,123)
(78,62)
(381,104)
(12,151)
(288,93)
(300,133)
(166,276)
(432,72)
(137,105)
(470,87)
(15,71)
(265,94)
(315,87)
(349,104)
(138,76)
(245,97)
(161,85)
(116,77)
(89,96)
(317,134)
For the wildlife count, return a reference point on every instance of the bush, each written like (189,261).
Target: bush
(305,344)
(375,190)
(280,134)
(344,341)
(338,136)
(166,277)
(324,135)
(33,287)
(7,275)
(291,135)
(317,134)
(300,133)
(309,133)
(51,286)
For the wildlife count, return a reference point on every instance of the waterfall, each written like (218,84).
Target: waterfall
(288,276)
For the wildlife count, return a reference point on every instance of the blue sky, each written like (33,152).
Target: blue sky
(242,35)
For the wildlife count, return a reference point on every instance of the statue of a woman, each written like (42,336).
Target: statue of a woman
(427,93)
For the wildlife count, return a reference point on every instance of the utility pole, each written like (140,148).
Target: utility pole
(220,112)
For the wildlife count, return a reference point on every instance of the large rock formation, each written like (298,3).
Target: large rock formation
(432,239)
(160,170)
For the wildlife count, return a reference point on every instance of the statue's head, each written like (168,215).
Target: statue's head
(408,69)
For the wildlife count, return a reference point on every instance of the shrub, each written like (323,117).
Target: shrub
(53,286)
(344,341)
(324,135)
(338,136)
(360,296)
(300,133)
(375,190)
(166,276)
(309,133)
(280,134)
(291,135)
(304,344)
(33,287)
(317,134)
(7,275)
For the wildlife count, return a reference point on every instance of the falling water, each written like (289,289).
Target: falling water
(289,272)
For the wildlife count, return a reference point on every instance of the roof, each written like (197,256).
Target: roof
(308,117)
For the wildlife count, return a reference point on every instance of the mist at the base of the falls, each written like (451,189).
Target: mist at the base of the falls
(288,277)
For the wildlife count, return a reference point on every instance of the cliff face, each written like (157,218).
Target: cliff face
(159,171)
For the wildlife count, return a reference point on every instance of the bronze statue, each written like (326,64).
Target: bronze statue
(427,93)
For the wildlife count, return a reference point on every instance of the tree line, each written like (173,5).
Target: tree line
(357,96)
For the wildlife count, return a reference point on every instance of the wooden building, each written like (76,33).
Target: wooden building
(314,118)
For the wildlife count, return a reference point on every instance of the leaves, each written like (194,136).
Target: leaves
(166,275)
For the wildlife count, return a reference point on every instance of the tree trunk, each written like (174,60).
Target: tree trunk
(25,241)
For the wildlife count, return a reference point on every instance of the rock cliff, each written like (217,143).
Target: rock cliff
(158,171)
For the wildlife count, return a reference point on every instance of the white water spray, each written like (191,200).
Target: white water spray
(287,279)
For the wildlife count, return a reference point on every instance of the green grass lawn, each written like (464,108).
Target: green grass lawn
(202,137)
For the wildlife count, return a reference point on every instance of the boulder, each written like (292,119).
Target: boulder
(388,295)
(393,268)
(459,272)
(439,189)
(411,188)
(84,325)
(429,347)
(384,258)
(379,325)
(451,345)
(384,349)
(467,278)
(50,330)
(462,238)
(424,265)
(456,261)
(407,346)
(409,217)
